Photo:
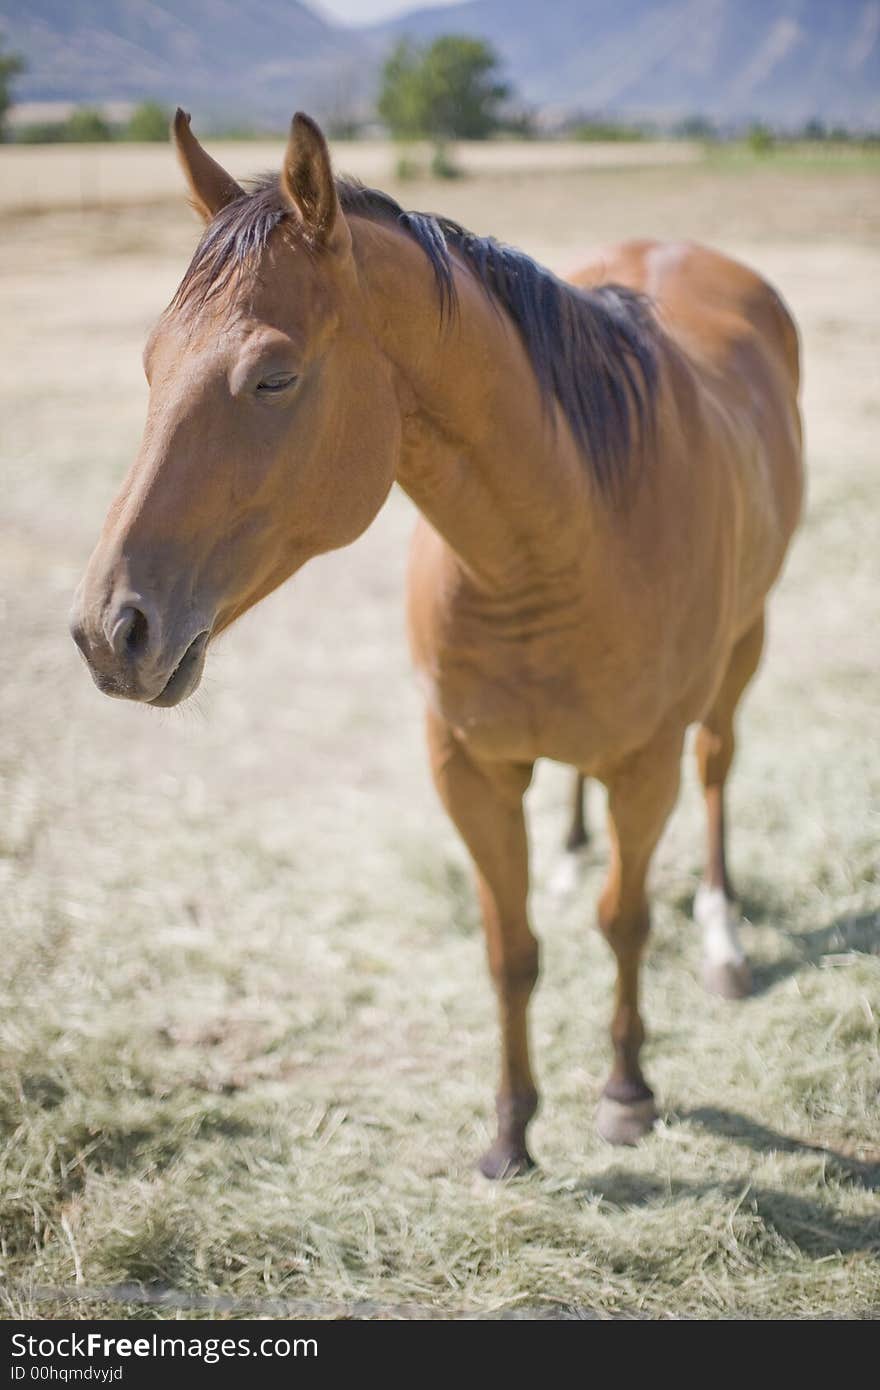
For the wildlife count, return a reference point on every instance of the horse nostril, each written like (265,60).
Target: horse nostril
(130,633)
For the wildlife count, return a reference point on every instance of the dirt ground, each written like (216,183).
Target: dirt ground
(35,177)
(247,1040)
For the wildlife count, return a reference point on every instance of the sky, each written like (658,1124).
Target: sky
(365,11)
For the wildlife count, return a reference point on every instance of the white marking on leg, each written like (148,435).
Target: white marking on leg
(719,921)
(565,880)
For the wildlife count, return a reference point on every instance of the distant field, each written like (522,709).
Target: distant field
(46,177)
(57,176)
(247,1040)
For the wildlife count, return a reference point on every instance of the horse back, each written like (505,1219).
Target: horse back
(732,365)
(708,303)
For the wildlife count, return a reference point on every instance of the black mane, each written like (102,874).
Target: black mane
(593,350)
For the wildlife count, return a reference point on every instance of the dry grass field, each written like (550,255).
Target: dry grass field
(247,1040)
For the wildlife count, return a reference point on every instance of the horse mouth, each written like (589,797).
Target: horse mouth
(186,675)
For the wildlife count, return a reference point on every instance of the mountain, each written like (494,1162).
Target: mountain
(255,60)
(782,60)
(228,60)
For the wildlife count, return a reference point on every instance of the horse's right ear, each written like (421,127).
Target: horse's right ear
(210,187)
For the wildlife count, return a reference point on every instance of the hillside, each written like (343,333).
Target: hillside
(254,60)
(785,61)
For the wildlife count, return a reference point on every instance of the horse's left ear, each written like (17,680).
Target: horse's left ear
(308,185)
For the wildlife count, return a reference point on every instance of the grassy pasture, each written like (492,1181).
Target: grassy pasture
(247,1040)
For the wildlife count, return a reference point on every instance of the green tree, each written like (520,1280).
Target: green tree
(148,122)
(447,91)
(41,133)
(86,126)
(814,130)
(400,104)
(696,127)
(10,66)
(760,138)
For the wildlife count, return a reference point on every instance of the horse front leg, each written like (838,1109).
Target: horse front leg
(641,793)
(484,800)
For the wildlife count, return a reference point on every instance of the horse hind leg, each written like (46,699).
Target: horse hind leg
(565,879)
(578,834)
(725,967)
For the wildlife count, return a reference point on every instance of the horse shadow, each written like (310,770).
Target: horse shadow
(743,1130)
(806,1224)
(847,933)
(811,1227)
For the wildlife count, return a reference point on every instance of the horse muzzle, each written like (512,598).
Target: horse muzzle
(132,656)
(185,677)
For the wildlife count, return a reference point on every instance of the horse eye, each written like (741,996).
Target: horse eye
(273,385)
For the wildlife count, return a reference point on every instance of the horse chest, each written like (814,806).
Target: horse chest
(564,692)
(512,700)
(493,714)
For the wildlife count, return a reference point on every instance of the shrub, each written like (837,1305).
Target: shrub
(148,122)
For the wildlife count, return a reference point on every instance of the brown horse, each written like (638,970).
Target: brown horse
(608,475)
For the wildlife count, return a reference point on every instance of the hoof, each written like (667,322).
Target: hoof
(501,1161)
(727,979)
(625,1122)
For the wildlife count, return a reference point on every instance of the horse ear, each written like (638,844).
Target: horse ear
(308,185)
(211,188)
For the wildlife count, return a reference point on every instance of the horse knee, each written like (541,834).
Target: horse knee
(517,974)
(624,932)
(714,755)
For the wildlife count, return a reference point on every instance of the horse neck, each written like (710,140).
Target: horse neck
(487,460)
